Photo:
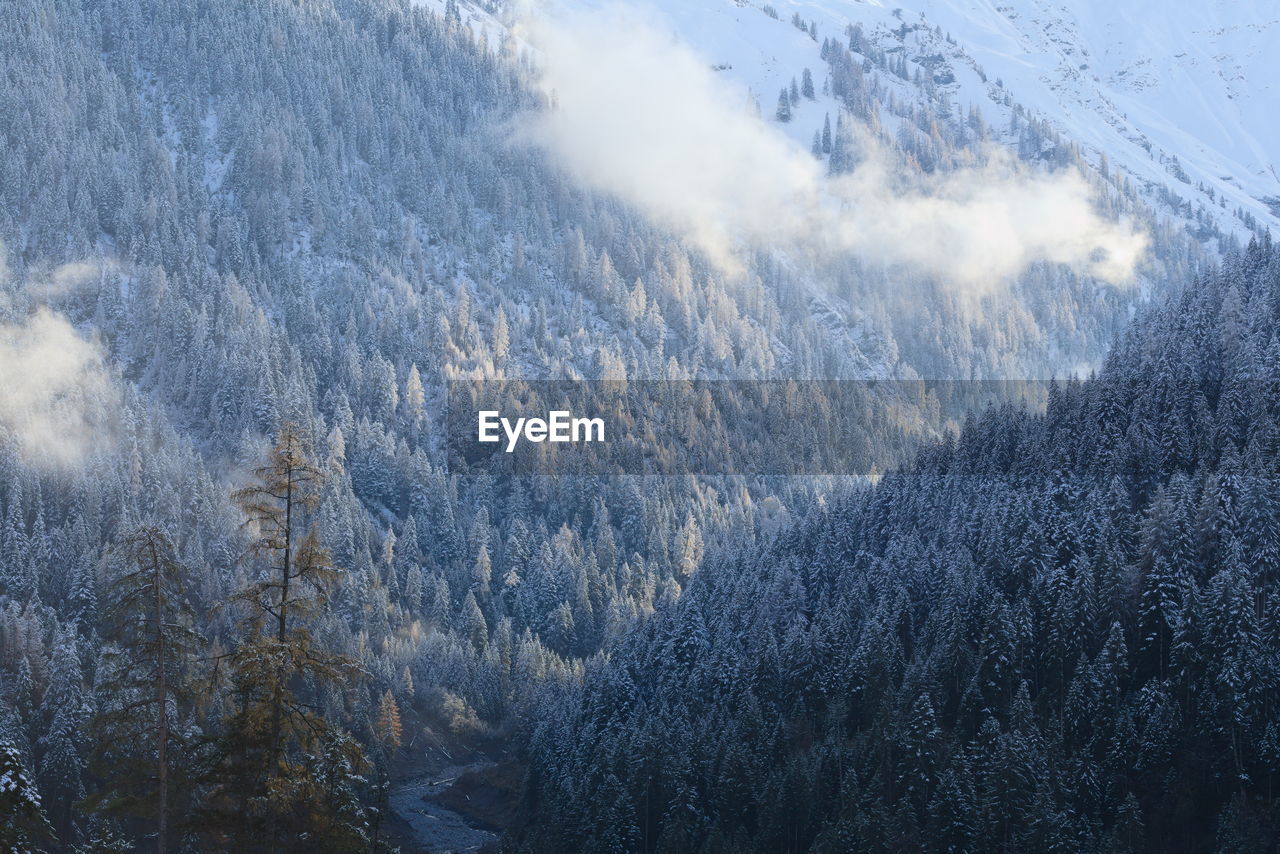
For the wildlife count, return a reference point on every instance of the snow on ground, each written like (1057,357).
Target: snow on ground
(1178,94)
(481,17)
(1142,81)
(1139,79)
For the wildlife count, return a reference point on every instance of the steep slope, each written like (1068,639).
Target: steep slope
(850,90)
(240,214)
(1177,99)
(1056,632)
(244,213)
(1188,83)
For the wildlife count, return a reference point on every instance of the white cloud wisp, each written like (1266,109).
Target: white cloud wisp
(56,397)
(639,115)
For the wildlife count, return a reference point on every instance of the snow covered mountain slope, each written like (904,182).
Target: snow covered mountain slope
(1181,95)
(1178,97)
(1165,89)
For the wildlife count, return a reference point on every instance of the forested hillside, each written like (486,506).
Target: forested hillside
(1055,632)
(246,245)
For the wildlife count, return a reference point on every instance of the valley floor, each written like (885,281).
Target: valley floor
(431,808)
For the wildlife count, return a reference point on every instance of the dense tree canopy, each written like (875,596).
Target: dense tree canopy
(264,214)
(1052,632)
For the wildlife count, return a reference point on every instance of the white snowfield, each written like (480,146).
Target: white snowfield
(1177,94)
(1138,79)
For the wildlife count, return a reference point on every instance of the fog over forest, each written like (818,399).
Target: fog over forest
(937,506)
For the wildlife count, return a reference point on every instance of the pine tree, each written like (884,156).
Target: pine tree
(689,548)
(145,678)
(64,707)
(783,113)
(501,338)
(23,826)
(387,725)
(269,778)
(472,624)
(482,573)
(414,396)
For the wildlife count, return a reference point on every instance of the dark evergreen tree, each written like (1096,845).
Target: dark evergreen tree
(146,682)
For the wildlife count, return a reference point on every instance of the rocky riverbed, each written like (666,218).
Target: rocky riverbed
(434,828)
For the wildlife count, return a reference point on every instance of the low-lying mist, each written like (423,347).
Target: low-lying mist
(639,115)
(56,397)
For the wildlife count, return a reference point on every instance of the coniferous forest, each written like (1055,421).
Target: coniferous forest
(248,246)
(1052,632)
